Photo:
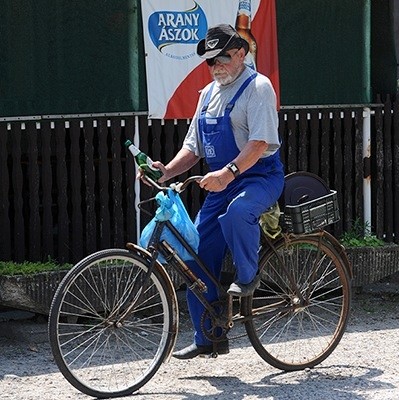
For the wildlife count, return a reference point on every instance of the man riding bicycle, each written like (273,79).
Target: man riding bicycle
(235,128)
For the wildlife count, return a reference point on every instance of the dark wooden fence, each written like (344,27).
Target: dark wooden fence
(67,187)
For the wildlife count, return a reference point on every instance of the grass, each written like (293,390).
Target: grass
(10,268)
(355,237)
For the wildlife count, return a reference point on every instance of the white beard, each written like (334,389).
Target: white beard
(222,77)
(225,80)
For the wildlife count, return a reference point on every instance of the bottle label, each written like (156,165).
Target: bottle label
(244,7)
(133,149)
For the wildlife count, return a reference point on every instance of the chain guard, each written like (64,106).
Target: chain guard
(218,329)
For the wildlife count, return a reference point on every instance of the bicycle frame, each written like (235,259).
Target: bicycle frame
(157,246)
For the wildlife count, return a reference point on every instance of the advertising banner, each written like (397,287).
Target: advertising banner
(175,74)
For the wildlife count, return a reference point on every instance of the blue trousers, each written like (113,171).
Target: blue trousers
(229,219)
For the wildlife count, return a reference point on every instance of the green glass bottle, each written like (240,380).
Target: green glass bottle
(144,162)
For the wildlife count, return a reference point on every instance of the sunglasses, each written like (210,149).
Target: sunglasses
(222,59)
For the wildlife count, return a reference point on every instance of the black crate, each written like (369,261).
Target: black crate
(312,215)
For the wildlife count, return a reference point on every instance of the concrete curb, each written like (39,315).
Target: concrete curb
(22,326)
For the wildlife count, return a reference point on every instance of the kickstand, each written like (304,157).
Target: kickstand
(214,353)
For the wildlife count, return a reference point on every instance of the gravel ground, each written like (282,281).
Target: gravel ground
(364,365)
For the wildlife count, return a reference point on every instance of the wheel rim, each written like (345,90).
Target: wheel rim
(101,353)
(298,326)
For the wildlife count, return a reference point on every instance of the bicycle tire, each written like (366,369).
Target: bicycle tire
(96,355)
(288,332)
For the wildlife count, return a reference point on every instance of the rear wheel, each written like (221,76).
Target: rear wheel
(106,338)
(301,309)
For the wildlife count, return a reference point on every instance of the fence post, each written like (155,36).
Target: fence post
(366,170)
(137,182)
(5,242)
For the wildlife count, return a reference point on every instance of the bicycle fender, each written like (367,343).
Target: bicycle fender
(328,237)
(333,241)
(341,250)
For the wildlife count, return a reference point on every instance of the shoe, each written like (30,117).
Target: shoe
(195,350)
(242,289)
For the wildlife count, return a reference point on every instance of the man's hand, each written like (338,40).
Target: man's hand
(156,164)
(164,177)
(182,162)
(216,181)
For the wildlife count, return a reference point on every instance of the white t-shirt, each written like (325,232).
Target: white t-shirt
(254,116)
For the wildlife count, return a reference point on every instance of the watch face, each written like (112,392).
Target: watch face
(233,168)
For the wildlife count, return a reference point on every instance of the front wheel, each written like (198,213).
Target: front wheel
(300,312)
(109,333)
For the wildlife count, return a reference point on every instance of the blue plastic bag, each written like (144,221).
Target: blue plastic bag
(171,207)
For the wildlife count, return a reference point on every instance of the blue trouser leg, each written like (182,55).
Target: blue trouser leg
(230,218)
(240,225)
(211,251)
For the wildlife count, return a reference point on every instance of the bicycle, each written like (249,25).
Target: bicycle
(114,317)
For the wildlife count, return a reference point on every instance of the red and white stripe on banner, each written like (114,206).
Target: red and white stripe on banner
(175,74)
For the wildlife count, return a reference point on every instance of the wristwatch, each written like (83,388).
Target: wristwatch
(233,169)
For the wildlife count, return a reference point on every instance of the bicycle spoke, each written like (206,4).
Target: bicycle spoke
(97,352)
(309,278)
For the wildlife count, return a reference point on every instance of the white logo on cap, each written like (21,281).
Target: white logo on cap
(212,43)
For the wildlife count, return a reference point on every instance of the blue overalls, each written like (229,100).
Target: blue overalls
(230,218)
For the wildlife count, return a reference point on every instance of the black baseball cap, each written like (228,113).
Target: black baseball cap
(219,39)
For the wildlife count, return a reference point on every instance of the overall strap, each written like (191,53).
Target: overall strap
(232,102)
(207,98)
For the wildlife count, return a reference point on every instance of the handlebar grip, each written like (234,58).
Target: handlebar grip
(178,187)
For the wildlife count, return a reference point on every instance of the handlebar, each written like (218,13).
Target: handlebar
(178,187)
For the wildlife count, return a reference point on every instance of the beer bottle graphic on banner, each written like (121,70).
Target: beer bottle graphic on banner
(243,27)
